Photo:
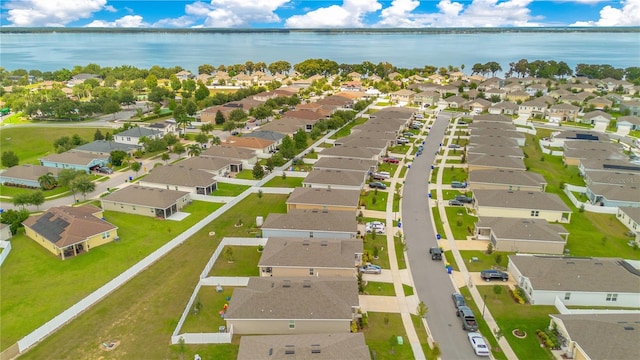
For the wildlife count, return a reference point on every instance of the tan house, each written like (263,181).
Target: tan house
(214,166)
(576,150)
(534,107)
(180,178)
(345,164)
(310,223)
(630,217)
(260,146)
(354,152)
(67,231)
(146,201)
(477,106)
(510,180)
(600,103)
(289,257)
(307,305)
(426,98)
(403,96)
(312,346)
(247,157)
(522,235)
(521,204)
(309,198)
(505,107)
(563,112)
(517,96)
(335,179)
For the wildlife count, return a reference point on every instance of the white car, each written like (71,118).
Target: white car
(378,226)
(479,345)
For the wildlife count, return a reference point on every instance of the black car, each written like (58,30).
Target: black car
(436,253)
(377,185)
(455,203)
(488,275)
(104,170)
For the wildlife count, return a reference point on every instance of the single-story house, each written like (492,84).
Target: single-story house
(599,335)
(345,164)
(76,160)
(511,180)
(485,161)
(288,125)
(576,150)
(310,223)
(167,127)
(577,281)
(632,105)
(276,137)
(362,140)
(180,178)
(288,257)
(492,125)
(630,217)
(104,147)
(521,204)
(335,179)
(598,118)
(317,346)
(68,231)
(476,140)
(133,135)
(496,150)
(260,146)
(559,137)
(309,198)
(495,92)
(519,137)
(614,195)
(522,235)
(455,102)
(631,122)
(600,103)
(354,152)
(563,112)
(26,175)
(213,165)
(608,165)
(146,201)
(505,107)
(517,95)
(247,157)
(493,118)
(477,106)
(273,305)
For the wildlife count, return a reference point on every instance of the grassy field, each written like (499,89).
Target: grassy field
(454,174)
(244,262)
(484,328)
(460,221)
(379,288)
(422,336)
(207,319)
(346,130)
(437,220)
(226,189)
(399,247)
(32,143)
(40,284)
(288,182)
(245,174)
(381,336)
(11,191)
(485,261)
(381,242)
(511,316)
(143,313)
(380,202)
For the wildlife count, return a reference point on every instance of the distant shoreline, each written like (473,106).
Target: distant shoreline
(23,30)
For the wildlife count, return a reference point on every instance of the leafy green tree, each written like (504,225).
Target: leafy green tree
(422,309)
(258,171)
(230,126)
(202,139)
(219,118)
(206,69)
(47,181)
(98,135)
(138,85)
(202,91)
(206,128)
(36,198)
(151,81)
(111,107)
(14,218)
(117,157)
(135,166)
(22,200)
(268,165)
(83,185)
(9,159)
(287,147)
(194,150)
(178,149)
(237,115)
(175,82)
(165,158)
(190,107)
(300,139)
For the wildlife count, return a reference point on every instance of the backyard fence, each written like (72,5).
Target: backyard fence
(6,249)
(569,189)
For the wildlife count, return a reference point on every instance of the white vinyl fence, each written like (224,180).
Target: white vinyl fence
(6,249)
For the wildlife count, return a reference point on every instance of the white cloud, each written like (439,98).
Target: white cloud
(627,15)
(232,13)
(479,13)
(349,14)
(110,8)
(33,13)
(128,21)
(181,22)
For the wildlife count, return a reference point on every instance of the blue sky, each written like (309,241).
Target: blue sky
(318,13)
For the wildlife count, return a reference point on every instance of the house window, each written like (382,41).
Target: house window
(567,296)
(612,297)
(106,235)
(128,139)
(292,324)
(535,213)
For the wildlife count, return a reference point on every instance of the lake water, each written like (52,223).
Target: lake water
(53,51)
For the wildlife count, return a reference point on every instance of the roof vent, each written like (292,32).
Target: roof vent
(286,283)
(306,283)
(315,348)
(270,351)
(306,242)
(629,328)
(324,243)
(289,349)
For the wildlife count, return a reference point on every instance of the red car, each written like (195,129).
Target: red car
(391,160)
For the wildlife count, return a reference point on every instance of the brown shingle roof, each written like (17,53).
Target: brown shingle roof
(347,164)
(310,252)
(229,152)
(312,220)
(324,197)
(175,174)
(335,177)
(306,346)
(146,196)
(247,142)
(520,200)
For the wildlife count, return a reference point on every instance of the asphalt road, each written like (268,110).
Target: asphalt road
(432,283)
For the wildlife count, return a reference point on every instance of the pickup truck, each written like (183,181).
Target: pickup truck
(469,322)
(488,275)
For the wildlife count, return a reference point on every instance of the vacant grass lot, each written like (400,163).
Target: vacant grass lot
(36,283)
(375,200)
(32,143)
(143,313)
(454,174)
(381,336)
(380,241)
(207,319)
(226,189)
(11,191)
(287,182)
(460,222)
(485,261)
(511,316)
(379,288)
(346,130)
(244,262)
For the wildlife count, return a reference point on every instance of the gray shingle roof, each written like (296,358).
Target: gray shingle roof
(340,163)
(229,152)
(74,158)
(478,125)
(512,134)
(209,164)
(175,174)
(493,161)
(496,150)
(295,298)
(506,177)
(632,212)
(489,140)
(492,118)
(310,252)
(335,177)
(520,200)
(627,193)
(324,197)
(28,172)
(362,141)
(577,274)
(138,131)
(312,220)
(523,229)
(351,152)
(103,146)
(145,196)
(306,347)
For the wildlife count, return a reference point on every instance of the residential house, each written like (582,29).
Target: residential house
(76,160)
(476,140)
(497,93)
(505,107)
(607,165)
(576,150)
(577,281)
(558,138)
(535,107)
(613,195)
(345,164)
(351,152)
(574,99)
(598,118)
(510,180)
(180,178)
(133,135)
(563,112)
(632,106)
(480,125)
(598,335)
(403,96)
(361,139)
(448,89)
(498,134)
(426,98)
(630,217)
(307,305)
(624,124)
(485,162)
(288,126)
(496,150)
(477,106)
(455,102)
(517,96)
(317,346)
(5,232)
(351,86)
(247,157)
(335,179)
(184,75)
(522,235)
(213,165)
(309,198)
(536,89)
(104,147)
(600,103)
(492,118)
(310,223)
(521,204)
(26,175)
(259,145)
(288,257)
(67,231)
(166,127)
(146,201)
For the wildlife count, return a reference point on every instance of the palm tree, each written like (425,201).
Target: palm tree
(194,150)
(47,181)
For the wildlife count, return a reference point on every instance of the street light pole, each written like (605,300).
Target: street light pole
(484,304)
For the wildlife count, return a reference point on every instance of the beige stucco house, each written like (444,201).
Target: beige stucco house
(309,198)
(522,235)
(521,204)
(146,201)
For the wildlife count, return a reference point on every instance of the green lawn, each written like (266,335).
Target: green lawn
(380,241)
(436,219)
(408,290)
(511,316)
(450,194)
(454,174)
(460,222)
(40,284)
(485,261)
(403,172)
(399,247)
(390,168)
(32,143)
(11,191)
(379,288)
(380,202)
(395,207)
(227,189)
(381,337)
(346,130)
(449,259)
(245,174)
(244,262)
(143,313)
(422,336)
(453,161)
(288,182)
(484,328)
(207,319)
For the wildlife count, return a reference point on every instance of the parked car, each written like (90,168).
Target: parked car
(478,344)
(104,170)
(402,140)
(458,300)
(436,253)
(377,185)
(454,202)
(416,127)
(376,226)
(458,184)
(408,134)
(370,269)
(462,122)
(465,199)
(454,146)
(469,322)
(488,275)
(391,160)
